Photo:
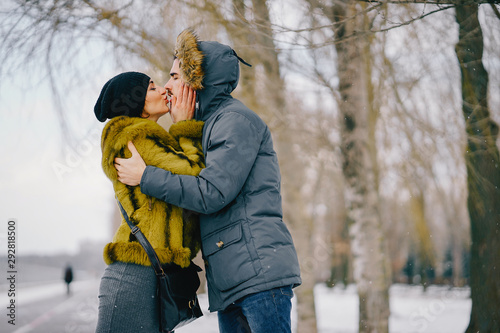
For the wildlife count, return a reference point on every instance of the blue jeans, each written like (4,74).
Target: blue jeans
(263,312)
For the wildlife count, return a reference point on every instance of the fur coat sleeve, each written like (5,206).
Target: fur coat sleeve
(173,232)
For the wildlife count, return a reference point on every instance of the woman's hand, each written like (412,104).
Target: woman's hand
(183,105)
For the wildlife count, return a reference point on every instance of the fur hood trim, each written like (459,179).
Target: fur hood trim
(209,67)
(190,58)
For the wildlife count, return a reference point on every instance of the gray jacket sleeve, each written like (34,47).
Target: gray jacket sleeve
(232,148)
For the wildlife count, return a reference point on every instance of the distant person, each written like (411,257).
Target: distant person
(68,278)
(250,259)
(134,103)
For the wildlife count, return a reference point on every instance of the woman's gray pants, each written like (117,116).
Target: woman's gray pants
(127,300)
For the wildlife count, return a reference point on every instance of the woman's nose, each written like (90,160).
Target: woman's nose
(163,91)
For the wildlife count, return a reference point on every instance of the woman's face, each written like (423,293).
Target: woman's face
(157,103)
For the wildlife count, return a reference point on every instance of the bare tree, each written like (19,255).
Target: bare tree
(371,110)
(371,272)
(49,37)
(271,97)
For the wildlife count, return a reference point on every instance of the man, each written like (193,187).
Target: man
(250,260)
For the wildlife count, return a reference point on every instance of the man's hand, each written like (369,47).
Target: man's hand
(130,170)
(183,105)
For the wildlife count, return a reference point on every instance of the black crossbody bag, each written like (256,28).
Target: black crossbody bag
(177,286)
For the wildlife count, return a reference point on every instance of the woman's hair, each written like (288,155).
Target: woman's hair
(123,95)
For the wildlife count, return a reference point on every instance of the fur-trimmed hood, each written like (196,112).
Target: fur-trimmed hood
(209,67)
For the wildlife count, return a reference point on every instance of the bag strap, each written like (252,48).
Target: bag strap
(136,231)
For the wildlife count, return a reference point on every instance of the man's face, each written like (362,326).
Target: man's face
(175,81)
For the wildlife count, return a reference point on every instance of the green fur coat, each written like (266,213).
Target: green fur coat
(173,232)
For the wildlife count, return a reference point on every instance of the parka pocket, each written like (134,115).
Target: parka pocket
(229,261)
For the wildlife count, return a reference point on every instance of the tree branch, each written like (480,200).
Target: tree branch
(495,9)
(414,19)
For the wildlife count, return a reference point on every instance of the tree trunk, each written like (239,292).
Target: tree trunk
(423,238)
(371,271)
(291,169)
(483,176)
(302,231)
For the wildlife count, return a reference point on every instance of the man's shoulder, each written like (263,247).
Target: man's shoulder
(235,106)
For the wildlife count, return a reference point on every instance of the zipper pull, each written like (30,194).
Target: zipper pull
(150,204)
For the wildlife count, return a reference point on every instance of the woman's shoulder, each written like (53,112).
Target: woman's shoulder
(123,129)
(124,125)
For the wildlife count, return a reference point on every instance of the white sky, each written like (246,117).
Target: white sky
(59,196)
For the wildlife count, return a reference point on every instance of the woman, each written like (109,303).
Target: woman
(134,103)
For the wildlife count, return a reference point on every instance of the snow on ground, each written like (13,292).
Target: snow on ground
(29,292)
(438,310)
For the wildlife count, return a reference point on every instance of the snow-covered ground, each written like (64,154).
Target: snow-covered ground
(438,310)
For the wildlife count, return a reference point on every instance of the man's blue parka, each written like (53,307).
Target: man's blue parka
(245,244)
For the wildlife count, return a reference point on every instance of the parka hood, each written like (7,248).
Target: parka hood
(210,68)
